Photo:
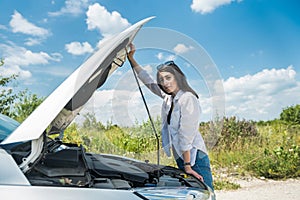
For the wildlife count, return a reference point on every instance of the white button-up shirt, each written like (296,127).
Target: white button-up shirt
(183,131)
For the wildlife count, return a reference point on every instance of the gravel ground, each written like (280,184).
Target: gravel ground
(257,189)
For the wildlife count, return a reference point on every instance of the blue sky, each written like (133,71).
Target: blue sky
(253,44)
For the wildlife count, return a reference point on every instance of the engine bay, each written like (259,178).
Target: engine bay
(68,165)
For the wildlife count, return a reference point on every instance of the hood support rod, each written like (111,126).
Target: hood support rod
(149,115)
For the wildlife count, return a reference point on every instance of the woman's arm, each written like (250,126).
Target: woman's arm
(189,108)
(143,75)
(187,165)
(131,59)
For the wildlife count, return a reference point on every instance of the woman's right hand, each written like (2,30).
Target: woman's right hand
(132,61)
(189,170)
(131,52)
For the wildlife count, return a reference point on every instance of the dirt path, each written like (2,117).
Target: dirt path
(263,190)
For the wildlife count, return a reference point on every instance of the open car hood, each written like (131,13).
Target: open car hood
(60,108)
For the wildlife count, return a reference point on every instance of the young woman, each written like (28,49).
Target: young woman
(180,118)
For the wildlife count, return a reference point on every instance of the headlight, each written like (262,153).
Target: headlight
(196,195)
(178,193)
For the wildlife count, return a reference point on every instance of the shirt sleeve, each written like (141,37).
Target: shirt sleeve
(150,83)
(189,121)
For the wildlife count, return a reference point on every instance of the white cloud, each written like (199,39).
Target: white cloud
(165,57)
(160,56)
(21,25)
(77,48)
(2,27)
(122,104)
(107,23)
(122,107)
(263,95)
(148,68)
(17,57)
(73,7)
(260,96)
(208,6)
(181,48)
(112,105)
(13,70)
(32,41)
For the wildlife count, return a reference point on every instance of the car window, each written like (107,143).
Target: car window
(7,126)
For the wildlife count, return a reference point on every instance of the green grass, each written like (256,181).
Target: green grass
(243,148)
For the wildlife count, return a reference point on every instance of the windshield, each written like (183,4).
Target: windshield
(7,126)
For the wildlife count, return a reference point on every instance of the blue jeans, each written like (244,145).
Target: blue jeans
(202,167)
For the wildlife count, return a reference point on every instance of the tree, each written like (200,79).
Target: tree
(91,123)
(27,103)
(291,114)
(7,97)
(14,104)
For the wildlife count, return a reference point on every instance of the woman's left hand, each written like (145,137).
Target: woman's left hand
(188,169)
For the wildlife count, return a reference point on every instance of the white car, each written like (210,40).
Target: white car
(34,166)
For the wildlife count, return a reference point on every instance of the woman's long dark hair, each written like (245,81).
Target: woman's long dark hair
(172,68)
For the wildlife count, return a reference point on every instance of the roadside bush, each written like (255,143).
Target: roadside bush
(72,135)
(138,139)
(279,162)
(233,134)
(279,156)
(270,149)
(291,114)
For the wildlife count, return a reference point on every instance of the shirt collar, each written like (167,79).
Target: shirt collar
(178,95)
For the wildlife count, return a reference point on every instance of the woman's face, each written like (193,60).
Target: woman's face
(168,82)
